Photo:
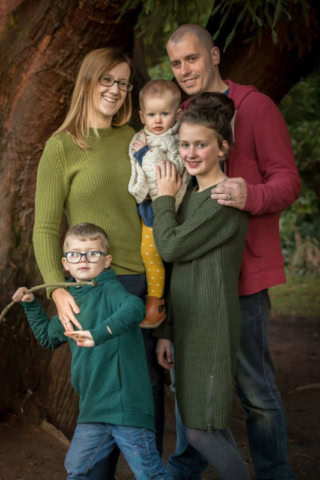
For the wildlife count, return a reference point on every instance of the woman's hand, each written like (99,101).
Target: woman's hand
(164,353)
(66,307)
(168,179)
(83,338)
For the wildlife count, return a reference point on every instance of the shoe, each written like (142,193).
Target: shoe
(155,312)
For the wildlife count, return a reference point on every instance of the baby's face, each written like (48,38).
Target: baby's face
(159,113)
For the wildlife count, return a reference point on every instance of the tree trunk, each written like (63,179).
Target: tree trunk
(41,47)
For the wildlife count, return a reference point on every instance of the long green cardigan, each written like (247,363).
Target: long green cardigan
(205,243)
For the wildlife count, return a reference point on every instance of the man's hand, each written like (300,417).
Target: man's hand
(21,295)
(168,180)
(164,353)
(232,193)
(83,338)
(66,307)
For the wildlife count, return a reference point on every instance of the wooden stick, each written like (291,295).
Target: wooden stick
(48,285)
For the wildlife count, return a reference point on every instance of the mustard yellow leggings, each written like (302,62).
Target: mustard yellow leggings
(153,263)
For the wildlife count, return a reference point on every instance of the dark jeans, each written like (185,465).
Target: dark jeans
(137,285)
(260,397)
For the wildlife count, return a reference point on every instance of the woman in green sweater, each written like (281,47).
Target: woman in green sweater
(84,172)
(204,241)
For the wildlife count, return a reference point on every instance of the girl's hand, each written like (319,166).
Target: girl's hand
(164,353)
(168,179)
(66,307)
(83,338)
(21,295)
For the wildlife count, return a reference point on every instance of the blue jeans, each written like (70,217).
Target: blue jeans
(137,285)
(260,397)
(92,444)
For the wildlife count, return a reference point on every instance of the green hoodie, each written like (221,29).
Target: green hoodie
(111,378)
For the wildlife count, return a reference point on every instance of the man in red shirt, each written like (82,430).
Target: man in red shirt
(263,180)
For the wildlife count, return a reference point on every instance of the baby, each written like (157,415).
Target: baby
(157,142)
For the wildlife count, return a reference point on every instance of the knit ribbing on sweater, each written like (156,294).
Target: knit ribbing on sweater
(90,186)
(205,242)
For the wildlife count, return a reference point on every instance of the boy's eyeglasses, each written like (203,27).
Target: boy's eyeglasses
(93,256)
(108,81)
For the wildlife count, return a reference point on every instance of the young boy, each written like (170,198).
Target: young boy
(112,380)
(158,141)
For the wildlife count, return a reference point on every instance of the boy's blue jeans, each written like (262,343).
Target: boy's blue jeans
(260,397)
(92,444)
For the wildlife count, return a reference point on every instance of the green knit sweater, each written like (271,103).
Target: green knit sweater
(91,186)
(112,378)
(205,242)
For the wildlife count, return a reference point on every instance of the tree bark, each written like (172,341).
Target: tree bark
(41,47)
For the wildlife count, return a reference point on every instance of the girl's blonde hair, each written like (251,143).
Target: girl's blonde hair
(80,115)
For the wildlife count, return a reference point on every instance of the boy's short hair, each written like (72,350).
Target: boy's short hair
(87,231)
(158,88)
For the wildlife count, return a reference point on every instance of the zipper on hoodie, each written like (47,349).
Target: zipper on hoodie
(210,403)
(119,372)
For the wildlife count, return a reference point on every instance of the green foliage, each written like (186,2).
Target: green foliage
(157,19)
(299,224)
(299,296)
(161,18)
(256,15)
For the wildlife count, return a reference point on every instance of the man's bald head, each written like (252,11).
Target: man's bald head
(199,32)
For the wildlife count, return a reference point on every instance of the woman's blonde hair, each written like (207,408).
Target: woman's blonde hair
(80,114)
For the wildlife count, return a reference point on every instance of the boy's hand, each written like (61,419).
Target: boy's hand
(82,337)
(140,143)
(21,295)
(168,179)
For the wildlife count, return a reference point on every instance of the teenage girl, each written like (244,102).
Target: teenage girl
(204,241)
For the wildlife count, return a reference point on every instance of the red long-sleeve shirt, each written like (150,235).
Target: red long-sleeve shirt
(262,155)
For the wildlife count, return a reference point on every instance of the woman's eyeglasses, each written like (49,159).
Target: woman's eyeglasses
(108,81)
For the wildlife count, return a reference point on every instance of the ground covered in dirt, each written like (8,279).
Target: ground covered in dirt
(33,452)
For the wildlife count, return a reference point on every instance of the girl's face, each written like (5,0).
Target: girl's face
(108,100)
(199,149)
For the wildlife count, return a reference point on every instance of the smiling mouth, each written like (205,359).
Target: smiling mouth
(193,164)
(189,80)
(109,99)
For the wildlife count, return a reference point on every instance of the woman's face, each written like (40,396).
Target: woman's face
(108,100)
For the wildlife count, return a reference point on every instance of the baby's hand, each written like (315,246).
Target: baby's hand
(140,143)
(82,337)
(21,295)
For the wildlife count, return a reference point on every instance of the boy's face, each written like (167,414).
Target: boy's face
(85,270)
(159,113)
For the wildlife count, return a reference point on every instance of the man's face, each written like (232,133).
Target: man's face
(193,66)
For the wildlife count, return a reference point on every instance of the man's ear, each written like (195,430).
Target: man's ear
(65,264)
(142,117)
(215,55)
(108,261)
